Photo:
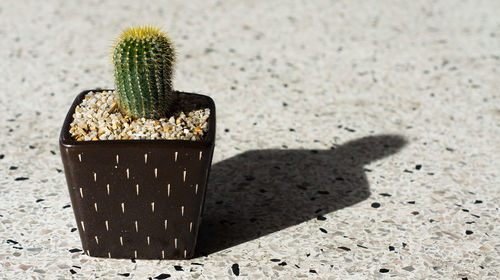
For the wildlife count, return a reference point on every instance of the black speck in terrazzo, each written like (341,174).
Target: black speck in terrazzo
(76,266)
(10,241)
(292,129)
(76,250)
(178,268)
(415,213)
(385,194)
(477,216)
(285,104)
(284,146)
(73,229)
(282,263)
(2,156)
(404,245)
(66,206)
(59,170)
(72,271)
(323,230)
(124,274)
(375,205)
(465,278)
(418,166)
(21,179)
(13,168)
(321,218)
(361,246)
(275,260)
(18,248)
(302,187)
(470,222)
(249,178)
(367,170)
(312,271)
(350,129)
(193,263)
(233,88)
(411,202)
(226,130)
(465,210)
(478,202)
(163,276)
(344,248)
(432,220)
(39,200)
(469,232)
(384,270)
(236,269)
(408,171)
(450,149)
(31,147)
(391,248)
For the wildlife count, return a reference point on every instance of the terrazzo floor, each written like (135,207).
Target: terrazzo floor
(355,139)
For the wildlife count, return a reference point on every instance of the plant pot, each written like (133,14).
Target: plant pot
(139,199)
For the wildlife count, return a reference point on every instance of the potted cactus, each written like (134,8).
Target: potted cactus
(137,159)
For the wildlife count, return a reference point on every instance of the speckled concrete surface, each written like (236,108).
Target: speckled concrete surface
(356,139)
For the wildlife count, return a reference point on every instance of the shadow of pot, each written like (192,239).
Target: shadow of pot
(139,199)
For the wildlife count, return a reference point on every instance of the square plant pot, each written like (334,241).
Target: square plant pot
(139,199)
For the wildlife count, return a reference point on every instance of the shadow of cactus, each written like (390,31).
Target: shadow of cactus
(263,191)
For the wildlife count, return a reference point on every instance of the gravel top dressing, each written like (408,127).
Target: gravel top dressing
(98,118)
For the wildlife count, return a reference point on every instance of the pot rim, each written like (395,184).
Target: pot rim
(67,141)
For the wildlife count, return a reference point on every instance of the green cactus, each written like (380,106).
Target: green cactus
(143,59)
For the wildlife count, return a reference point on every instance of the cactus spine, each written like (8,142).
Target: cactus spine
(143,59)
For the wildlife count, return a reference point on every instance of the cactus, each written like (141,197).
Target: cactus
(143,59)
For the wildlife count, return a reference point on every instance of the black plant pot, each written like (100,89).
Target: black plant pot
(139,199)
